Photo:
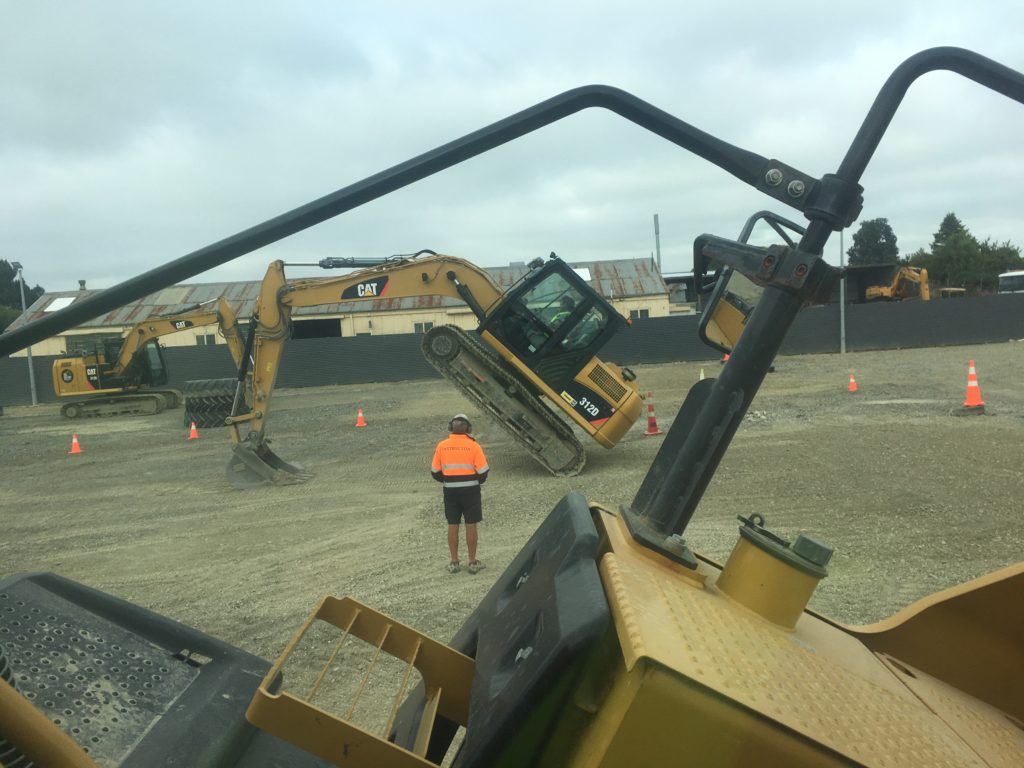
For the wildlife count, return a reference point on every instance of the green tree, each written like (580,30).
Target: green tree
(994,260)
(924,259)
(873,243)
(7,316)
(10,291)
(957,259)
(949,227)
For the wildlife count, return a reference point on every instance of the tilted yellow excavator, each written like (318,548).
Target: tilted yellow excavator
(607,642)
(535,347)
(131,380)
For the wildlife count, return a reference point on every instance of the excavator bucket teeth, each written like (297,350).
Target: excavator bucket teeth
(253,465)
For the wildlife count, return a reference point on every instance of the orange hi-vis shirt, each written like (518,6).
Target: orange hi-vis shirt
(459,462)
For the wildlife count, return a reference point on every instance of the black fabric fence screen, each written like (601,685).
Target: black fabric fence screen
(365,359)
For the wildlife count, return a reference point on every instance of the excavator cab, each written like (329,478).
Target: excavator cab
(95,373)
(555,322)
(148,369)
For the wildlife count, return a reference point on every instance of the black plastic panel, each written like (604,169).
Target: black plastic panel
(134,689)
(544,614)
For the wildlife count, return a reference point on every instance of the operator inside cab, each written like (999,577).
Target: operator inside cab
(567,304)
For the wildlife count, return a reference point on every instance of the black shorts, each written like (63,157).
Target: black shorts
(462,503)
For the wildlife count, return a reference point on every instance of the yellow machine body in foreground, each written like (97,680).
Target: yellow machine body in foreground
(530,355)
(606,644)
(595,650)
(131,381)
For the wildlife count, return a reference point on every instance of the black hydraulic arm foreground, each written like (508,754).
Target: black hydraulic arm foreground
(713,410)
(785,184)
(833,201)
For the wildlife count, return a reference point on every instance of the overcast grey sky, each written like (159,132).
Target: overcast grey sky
(134,133)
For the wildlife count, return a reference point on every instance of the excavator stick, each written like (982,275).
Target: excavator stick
(253,464)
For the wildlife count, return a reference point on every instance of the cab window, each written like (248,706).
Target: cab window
(552,300)
(542,310)
(588,329)
(154,360)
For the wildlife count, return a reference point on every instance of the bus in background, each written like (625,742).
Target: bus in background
(1012,282)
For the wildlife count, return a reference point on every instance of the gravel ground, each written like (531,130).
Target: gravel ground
(912,498)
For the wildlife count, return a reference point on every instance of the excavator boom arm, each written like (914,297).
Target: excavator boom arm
(912,282)
(907,283)
(434,275)
(155,327)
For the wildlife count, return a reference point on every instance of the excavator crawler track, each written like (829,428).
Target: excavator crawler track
(145,403)
(501,392)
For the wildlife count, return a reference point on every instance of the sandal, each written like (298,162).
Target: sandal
(455,567)
(475,566)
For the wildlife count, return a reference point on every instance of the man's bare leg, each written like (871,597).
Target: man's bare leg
(453,542)
(471,540)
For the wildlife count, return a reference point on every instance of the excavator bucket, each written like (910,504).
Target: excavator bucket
(253,464)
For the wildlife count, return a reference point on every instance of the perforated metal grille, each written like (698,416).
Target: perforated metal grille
(101,684)
(607,383)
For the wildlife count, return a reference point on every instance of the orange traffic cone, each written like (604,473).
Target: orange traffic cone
(973,402)
(853,384)
(652,423)
(75,447)
(193,433)
(360,421)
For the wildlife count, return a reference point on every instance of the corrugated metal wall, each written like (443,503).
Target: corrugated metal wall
(318,362)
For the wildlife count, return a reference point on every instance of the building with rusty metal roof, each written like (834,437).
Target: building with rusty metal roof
(633,286)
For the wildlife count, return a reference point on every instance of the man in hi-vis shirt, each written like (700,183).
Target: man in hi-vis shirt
(459,464)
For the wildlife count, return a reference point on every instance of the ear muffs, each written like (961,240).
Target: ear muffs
(451,425)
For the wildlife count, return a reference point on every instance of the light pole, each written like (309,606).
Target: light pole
(657,240)
(28,350)
(842,300)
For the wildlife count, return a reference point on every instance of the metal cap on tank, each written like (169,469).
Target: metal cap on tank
(770,576)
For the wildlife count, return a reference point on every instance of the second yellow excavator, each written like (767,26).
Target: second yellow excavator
(132,380)
(535,346)
(906,283)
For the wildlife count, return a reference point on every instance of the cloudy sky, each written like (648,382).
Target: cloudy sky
(134,133)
